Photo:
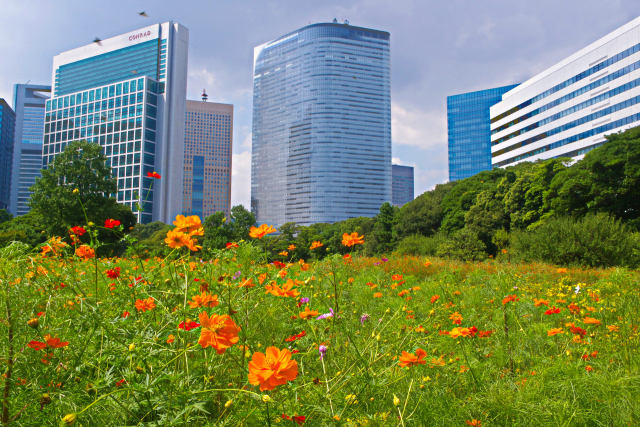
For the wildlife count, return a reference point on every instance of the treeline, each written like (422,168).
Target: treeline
(585,213)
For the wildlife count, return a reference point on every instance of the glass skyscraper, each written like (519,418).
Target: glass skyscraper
(29,103)
(321,125)
(402,189)
(208,138)
(7,124)
(469,131)
(125,94)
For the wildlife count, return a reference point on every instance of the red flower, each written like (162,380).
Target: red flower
(189,326)
(77,230)
(279,264)
(113,273)
(578,330)
(231,245)
(510,298)
(435,298)
(119,383)
(295,337)
(299,419)
(484,334)
(125,314)
(553,310)
(110,223)
(37,345)
(153,174)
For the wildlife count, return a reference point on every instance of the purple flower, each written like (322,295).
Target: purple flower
(326,315)
(384,260)
(237,275)
(363,319)
(304,300)
(377,263)
(322,350)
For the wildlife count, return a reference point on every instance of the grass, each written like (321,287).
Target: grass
(120,370)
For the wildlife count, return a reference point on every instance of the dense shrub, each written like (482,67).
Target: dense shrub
(465,245)
(420,245)
(594,240)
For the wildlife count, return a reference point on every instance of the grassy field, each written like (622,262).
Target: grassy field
(360,341)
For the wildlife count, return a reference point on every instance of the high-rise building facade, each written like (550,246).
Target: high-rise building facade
(568,109)
(402,187)
(7,124)
(321,125)
(208,140)
(126,93)
(29,104)
(469,131)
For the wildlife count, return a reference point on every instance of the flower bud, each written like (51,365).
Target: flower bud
(69,419)
(396,401)
(266,398)
(33,322)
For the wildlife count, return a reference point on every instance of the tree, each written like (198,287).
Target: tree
(383,239)
(241,222)
(424,214)
(26,228)
(4,216)
(76,188)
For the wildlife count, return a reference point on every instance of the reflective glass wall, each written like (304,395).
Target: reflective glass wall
(321,125)
(469,131)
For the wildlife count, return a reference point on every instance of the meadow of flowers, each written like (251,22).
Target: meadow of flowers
(347,340)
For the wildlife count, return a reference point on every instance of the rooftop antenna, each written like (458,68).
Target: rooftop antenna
(204,95)
(335,20)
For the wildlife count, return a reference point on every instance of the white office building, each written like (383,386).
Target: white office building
(568,109)
(127,93)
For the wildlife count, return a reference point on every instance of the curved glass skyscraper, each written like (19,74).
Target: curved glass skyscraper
(321,125)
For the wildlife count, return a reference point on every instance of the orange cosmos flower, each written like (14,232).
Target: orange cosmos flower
(189,224)
(427,263)
(283,253)
(377,295)
(554,331)
(292,247)
(538,302)
(561,270)
(204,300)
(219,332)
(85,252)
(352,239)
(170,339)
(456,318)
(316,244)
(53,245)
(145,304)
(591,321)
(307,313)
(510,298)
(460,332)
(260,232)
(285,291)
(176,239)
(273,369)
(410,359)
(613,328)
(474,423)
(435,298)
(247,283)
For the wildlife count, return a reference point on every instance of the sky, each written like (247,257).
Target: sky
(438,48)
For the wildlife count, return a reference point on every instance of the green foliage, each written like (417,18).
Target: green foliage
(594,240)
(383,238)
(81,166)
(217,232)
(147,240)
(465,245)
(4,216)
(420,245)
(424,214)
(241,222)
(26,229)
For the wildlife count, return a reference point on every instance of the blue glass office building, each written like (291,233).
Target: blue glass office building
(29,103)
(402,188)
(125,93)
(469,131)
(7,124)
(321,125)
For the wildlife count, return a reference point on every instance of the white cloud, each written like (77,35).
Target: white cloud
(241,179)
(419,128)
(201,77)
